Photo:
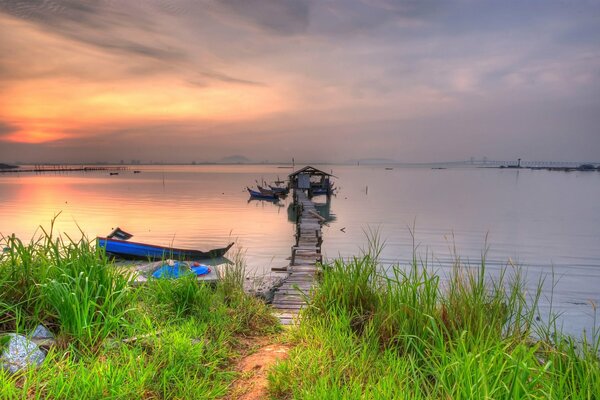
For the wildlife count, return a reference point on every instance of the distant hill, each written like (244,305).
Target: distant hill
(235,159)
(7,166)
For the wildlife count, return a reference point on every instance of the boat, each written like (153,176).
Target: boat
(267,192)
(263,196)
(135,250)
(119,233)
(279,190)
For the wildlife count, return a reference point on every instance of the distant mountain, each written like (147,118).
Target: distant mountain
(235,159)
(7,166)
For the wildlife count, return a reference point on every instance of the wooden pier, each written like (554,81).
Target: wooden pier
(291,296)
(65,168)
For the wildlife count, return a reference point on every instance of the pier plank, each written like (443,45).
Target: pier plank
(290,297)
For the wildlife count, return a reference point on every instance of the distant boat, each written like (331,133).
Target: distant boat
(260,195)
(279,190)
(137,171)
(134,250)
(114,173)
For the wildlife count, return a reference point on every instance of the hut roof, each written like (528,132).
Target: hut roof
(310,170)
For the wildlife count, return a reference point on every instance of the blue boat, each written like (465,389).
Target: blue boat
(134,250)
(263,196)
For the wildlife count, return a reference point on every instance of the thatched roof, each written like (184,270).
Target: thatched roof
(311,171)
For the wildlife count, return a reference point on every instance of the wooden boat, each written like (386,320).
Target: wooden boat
(279,190)
(120,234)
(264,191)
(260,195)
(134,250)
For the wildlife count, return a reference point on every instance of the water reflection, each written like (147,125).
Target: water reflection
(545,222)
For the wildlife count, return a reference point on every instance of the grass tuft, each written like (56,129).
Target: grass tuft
(403,332)
(170,339)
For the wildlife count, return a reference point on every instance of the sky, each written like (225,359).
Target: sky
(314,80)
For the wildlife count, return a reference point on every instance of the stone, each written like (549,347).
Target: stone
(21,353)
(264,286)
(41,332)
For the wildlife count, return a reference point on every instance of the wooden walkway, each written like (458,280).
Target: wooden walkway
(291,296)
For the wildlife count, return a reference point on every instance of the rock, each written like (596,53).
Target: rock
(41,332)
(43,338)
(21,353)
(264,286)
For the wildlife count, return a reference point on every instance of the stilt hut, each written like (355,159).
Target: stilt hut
(312,180)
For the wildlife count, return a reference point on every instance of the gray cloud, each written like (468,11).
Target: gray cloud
(410,80)
(283,17)
(6,129)
(129,31)
(94,23)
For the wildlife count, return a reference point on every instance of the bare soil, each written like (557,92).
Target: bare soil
(253,368)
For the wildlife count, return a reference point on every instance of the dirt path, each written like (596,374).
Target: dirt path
(253,369)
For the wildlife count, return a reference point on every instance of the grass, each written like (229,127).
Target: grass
(368,332)
(405,333)
(170,339)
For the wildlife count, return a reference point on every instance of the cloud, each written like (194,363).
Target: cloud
(283,17)
(96,23)
(396,79)
(129,35)
(6,129)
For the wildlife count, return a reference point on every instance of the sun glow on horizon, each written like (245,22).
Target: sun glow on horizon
(68,90)
(54,110)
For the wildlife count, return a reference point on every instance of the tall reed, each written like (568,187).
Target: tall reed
(406,332)
(70,286)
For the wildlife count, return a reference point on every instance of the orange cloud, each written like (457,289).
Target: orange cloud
(33,136)
(62,86)
(48,110)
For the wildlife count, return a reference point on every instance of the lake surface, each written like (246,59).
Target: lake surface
(538,222)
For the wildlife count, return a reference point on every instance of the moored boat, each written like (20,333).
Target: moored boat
(135,250)
(263,196)
(279,190)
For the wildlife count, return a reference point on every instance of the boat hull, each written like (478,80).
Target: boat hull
(258,195)
(134,250)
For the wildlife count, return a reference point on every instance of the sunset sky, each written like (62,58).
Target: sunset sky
(322,80)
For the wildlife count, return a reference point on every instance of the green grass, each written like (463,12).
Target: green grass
(402,333)
(186,333)
(406,334)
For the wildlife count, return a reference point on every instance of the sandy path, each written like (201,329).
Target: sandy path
(252,383)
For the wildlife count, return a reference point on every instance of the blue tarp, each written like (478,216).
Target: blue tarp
(179,269)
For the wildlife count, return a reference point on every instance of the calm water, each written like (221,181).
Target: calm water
(542,222)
